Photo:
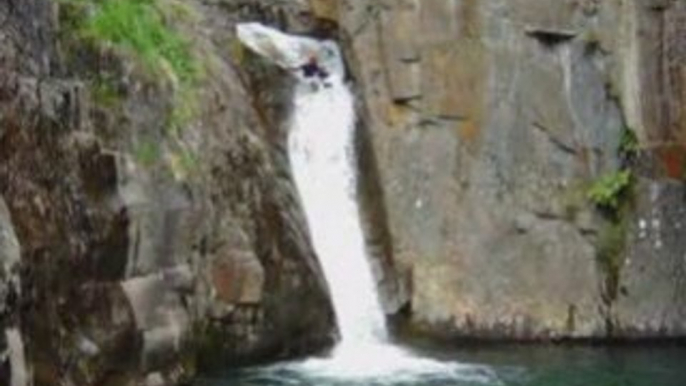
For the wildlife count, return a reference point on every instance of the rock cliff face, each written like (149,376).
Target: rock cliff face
(530,157)
(139,231)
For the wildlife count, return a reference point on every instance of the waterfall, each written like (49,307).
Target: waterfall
(321,154)
(320,147)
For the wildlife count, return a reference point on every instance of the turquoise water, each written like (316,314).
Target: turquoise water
(496,366)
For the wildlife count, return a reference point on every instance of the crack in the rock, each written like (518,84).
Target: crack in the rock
(554,140)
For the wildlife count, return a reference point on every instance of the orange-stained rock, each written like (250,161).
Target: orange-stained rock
(238,279)
(325,9)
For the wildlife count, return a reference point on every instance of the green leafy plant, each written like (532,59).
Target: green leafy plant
(612,195)
(628,143)
(607,191)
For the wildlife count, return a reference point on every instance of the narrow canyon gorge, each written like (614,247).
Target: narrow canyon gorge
(179,194)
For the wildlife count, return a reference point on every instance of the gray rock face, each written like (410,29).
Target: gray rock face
(489,122)
(146,243)
(652,287)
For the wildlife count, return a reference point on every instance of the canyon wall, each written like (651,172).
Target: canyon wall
(530,157)
(149,227)
(522,169)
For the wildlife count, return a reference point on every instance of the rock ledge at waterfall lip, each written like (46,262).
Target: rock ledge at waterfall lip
(289,51)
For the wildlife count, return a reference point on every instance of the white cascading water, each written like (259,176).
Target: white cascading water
(320,140)
(321,155)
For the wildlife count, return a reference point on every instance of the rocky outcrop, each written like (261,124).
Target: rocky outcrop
(490,122)
(157,225)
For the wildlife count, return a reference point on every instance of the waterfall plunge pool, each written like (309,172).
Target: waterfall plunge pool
(495,366)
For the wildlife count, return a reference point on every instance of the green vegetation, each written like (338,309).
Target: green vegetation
(138,26)
(612,195)
(71,15)
(105,92)
(188,161)
(608,191)
(142,29)
(628,143)
(610,254)
(147,153)
(182,163)
(185,108)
